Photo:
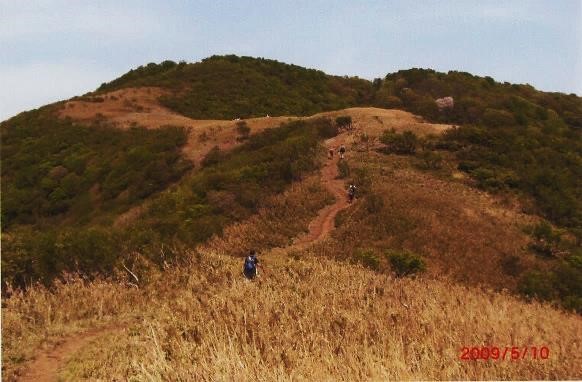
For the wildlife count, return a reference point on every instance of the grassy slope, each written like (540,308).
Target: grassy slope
(227,87)
(168,333)
(189,212)
(304,318)
(511,136)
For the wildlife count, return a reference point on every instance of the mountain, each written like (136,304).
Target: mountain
(227,87)
(130,204)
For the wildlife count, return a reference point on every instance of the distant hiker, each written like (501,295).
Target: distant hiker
(342,151)
(351,193)
(330,153)
(251,264)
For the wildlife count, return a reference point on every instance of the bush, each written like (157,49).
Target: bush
(511,265)
(362,179)
(405,143)
(546,239)
(563,283)
(243,129)
(374,203)
(536,284)
(431,160)
(344,122)
(325,129)
(343,169)
(405,264)
(212,157)
(367,258)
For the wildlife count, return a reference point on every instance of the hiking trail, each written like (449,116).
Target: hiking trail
(324,222)
(47,364)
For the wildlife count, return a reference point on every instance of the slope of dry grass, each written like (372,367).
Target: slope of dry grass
(465,233)
(308,317)
(322,320)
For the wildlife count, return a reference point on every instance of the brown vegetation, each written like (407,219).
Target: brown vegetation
(309,316)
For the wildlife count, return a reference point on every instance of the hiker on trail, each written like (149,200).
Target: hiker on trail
(351,193)
(251,264)
(342,151)
(330,153)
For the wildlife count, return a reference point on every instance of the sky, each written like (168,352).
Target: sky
(51,50)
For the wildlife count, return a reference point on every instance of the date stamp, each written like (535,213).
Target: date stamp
(503,353)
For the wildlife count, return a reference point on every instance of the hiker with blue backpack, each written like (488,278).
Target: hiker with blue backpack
(250,265)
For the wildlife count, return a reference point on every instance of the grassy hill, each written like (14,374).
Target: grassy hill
(510,136)
(228,87)
(59,206)
(493,203)
(305,317)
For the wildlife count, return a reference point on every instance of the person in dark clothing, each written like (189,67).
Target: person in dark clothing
(351,193)
(250,265)
(330,153)
(342,151)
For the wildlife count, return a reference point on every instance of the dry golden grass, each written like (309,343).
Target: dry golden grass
(305,318)
(40,318)
(283,218)
(322,320)
(308,317)
(461,231)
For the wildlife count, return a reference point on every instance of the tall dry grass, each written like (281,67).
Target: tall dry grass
(307,317)
(40,317)
(460,231)
(323,320)
(284,217)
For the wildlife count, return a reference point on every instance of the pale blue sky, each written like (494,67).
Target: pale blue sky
(54,49)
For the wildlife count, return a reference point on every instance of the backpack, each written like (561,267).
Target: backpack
(249,264)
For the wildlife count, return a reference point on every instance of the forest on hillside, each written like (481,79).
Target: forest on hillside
(60,198)
(228,87)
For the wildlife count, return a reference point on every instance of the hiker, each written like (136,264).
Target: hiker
(330,153)
(351,193)
(342,151)
(251,264)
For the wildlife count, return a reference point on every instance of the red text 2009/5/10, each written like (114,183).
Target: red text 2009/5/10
(512,353)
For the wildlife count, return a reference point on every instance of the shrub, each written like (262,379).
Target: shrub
(367,258)
(511,265)
(344,122)
(343,169)
(362,178)
(325,128)
(536,284)
(212,157)
(243,129)
(546,239)
(405,264)
(431,160)
(374,203)
(497,118)
(563,283)
(405,143)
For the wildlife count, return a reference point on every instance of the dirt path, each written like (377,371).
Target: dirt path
(47,364)
(324,223)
